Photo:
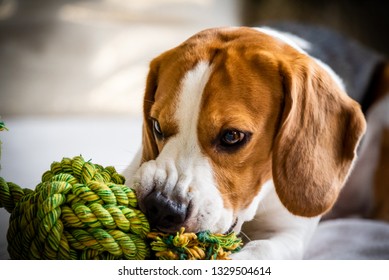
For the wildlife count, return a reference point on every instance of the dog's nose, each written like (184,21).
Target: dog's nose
(163,213)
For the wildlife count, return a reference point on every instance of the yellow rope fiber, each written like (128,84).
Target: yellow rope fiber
(190,246)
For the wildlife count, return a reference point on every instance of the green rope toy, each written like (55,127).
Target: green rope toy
(82,210)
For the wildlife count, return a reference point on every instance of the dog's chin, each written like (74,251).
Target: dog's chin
(223,227)
(168,230)
(196,226)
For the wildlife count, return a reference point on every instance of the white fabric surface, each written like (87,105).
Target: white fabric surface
(350,239)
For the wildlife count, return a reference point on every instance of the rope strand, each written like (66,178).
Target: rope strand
(80,210)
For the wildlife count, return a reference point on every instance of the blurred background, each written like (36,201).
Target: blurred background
(72,73)
(82,57)
(367,21)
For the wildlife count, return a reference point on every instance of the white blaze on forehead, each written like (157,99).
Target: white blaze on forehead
(188,109)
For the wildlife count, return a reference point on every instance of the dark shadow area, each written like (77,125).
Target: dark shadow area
(365,20)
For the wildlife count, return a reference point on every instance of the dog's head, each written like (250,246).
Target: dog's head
(227,111)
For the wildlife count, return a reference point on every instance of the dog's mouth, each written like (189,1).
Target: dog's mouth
(231,229)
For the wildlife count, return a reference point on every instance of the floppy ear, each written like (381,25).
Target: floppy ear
(150,148)
(316,144)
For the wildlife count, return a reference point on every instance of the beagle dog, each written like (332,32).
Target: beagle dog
(244,131)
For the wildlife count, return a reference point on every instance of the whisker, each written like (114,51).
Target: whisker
(245,236)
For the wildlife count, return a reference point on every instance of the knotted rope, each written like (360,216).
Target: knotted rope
(80,210)
(191,246)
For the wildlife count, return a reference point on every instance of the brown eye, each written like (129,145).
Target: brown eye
(232,137)
(157,129)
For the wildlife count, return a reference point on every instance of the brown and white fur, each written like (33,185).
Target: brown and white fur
(244,131)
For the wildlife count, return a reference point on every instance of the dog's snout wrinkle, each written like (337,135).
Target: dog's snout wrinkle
(165,214)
